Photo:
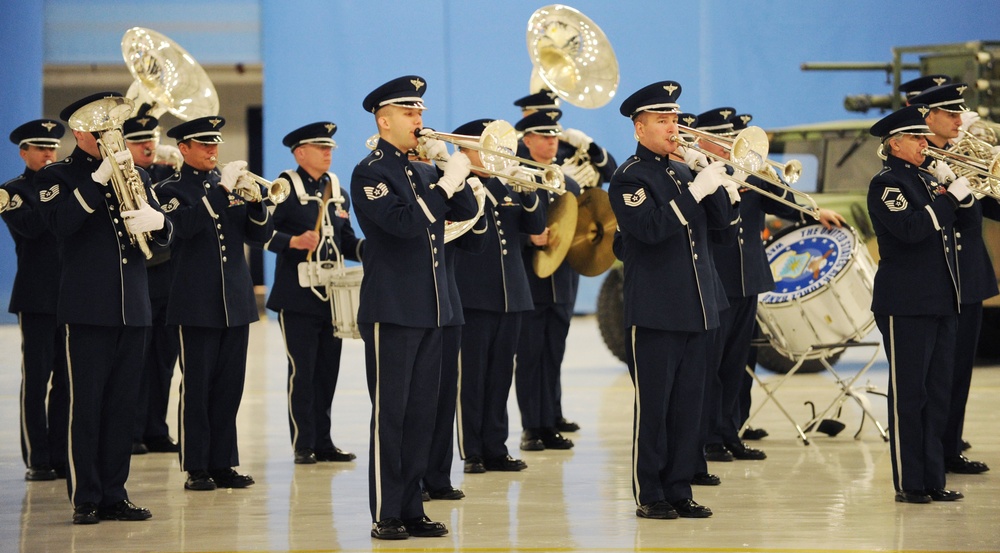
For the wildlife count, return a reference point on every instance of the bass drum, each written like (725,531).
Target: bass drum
(823,291)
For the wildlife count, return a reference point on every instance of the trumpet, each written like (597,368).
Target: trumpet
(253,188)
(748,153)
(983,174)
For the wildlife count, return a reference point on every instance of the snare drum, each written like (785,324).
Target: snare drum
(823,290)
(345,290)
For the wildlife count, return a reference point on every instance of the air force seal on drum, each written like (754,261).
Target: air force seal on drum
(894,199)
(376,192)
(635,199)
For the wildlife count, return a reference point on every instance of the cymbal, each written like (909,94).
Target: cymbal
(562,224)
(591,253)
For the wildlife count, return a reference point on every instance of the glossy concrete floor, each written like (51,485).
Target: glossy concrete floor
(832,495)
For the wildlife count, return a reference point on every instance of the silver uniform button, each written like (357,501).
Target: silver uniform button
(696,256)
(222,237)
(435,251)
(124,261)
(116,221)
(107,194)
(741,241)
(505,251)
(119,233)
(218,226)
(433,237)
(223,248)
(224,259)
(500,232)
(435,263)
(503,241)
(499,223)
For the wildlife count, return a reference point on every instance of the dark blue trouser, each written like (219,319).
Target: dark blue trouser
(43,427)
(921,352)
(404,367)
(213,370)
(540,351)
(969,322)
(313,368)
(160,361)
(668,372)
(103,380)
(442,452)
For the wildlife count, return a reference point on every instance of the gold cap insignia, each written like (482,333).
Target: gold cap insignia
(417,83)
(214,122)
(49,125)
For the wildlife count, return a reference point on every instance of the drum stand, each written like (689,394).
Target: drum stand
(822,353)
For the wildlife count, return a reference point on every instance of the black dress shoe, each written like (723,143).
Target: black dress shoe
(912,496)
(658,510)
(687,508)
(504,464)
(447,493)
(40,473)
(531,440)
(554,440)
(424,527)
(85,514)
(945,495)
(705,479)
(123,510)
(161,444)
(474,465)
(717,452)
(335,455)
(199,480)
(966,445)
(564,425)
(139,448)
(389,529)
(424,496)
(229,478)
(754,433)
(305,456)
(964,465)
(741,451)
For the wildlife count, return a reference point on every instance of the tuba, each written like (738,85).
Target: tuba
(572,57)
(166,77)
(105,116)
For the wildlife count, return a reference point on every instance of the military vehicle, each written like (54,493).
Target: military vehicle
(839,160)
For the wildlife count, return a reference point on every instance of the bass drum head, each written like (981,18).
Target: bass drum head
(806,257)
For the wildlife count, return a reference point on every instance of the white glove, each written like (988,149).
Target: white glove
(231,173)
(942,172)
(435,150)
(144,219)
(733,190)
(960,189)
(708,180)
(695,159)
(454,174)
(103,173)
(576,138)
(169,154)
(968,118)
(253,190)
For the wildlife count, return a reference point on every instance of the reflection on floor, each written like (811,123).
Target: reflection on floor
(834,494)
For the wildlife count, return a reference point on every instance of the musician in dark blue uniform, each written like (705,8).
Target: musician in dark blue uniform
(673,297)
(947,107)
(404,302)
(142,136)
(33,299)
(103,305)
(494,289)
(916,300)
(211,298)
(743,268)
(306,319)
(542,344)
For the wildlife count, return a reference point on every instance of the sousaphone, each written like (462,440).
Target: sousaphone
(166,77)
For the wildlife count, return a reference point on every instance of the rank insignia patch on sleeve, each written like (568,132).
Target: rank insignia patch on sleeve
(894,199)
(635,199)
(376,192)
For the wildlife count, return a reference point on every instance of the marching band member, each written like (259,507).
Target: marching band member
(664,217)
(494,288)
(542,344)
(916,301)
(914,87)
(306,320)
(103,304)
(43,429)
(978,282)
(142,135)
(211,299)
(403,302)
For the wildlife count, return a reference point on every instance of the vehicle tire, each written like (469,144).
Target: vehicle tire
(989,336)
(611,312)
(770,359)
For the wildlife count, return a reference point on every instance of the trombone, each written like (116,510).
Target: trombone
(496,148)
(748,153)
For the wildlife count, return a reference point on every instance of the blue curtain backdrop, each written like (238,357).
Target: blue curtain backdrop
(321,57)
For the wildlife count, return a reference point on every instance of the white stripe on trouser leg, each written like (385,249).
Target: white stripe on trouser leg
(69,430)
(895,402)
(458,406)
(24,389)
(375,437)
(182,436)
(635,431)
(291,382)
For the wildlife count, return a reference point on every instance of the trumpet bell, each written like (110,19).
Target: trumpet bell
(167,76)
(572,56)
(101,115)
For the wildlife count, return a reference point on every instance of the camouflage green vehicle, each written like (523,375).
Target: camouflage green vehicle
(839,159)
